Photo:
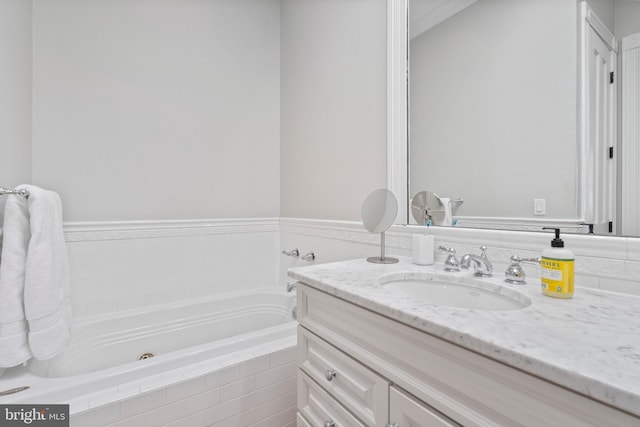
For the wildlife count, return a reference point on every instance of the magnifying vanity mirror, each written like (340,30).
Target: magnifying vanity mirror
(379,212)
(506,111)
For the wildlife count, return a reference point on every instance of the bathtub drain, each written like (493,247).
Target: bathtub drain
(146,356)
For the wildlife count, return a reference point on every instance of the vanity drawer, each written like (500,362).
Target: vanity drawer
(358,388)
(319,408)
(407,411)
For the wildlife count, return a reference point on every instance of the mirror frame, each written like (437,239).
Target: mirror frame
(397,106)
(398,124)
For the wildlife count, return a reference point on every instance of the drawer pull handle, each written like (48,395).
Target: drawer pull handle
(392,425)
(330,374)
(329,424)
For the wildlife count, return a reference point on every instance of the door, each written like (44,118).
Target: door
(599,124)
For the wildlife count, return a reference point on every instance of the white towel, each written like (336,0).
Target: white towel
(47,281)
(14,346)
(448,218)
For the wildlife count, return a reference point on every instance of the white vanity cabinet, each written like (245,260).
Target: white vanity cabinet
(357,367)
(407,411)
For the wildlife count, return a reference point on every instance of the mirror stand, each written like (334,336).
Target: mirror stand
(382,259)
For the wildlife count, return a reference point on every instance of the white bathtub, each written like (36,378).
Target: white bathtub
(188,340)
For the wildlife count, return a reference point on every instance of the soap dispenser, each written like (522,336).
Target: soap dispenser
(557,264)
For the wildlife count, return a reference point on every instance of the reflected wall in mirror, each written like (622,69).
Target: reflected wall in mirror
(497,112)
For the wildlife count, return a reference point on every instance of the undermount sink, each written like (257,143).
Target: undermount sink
(452,291)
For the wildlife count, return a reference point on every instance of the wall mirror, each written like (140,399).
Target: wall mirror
(498,112)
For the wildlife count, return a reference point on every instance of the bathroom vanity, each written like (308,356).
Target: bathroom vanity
(378,355)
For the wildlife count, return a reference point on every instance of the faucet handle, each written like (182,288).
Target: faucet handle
(483,251)
(293,252)
(309,256)
(451,263)
(515,273)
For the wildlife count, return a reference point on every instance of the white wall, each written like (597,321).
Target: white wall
(493,108)
(157,109)
(15,92)
(604,9)
(333,106)
(627,18)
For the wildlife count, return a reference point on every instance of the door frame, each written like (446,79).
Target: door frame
(630,138)
(590,202)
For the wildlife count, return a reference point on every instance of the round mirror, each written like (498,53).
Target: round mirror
(379,211)
(427,206)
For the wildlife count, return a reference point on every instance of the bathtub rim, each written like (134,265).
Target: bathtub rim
(118,389)
(158,320)
(97,318)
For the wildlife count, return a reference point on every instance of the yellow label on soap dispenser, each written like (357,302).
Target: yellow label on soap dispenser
(557,277)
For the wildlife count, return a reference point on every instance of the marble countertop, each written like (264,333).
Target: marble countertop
(589,344)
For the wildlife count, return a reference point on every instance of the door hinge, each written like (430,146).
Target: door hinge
(611,152)
(610,226)
(611,78)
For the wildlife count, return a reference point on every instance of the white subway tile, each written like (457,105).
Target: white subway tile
(253,366)
(244,418)
(202,401)
(224,410)
(585,281)
(633,249)
(275,375)
(222,376)
(143,403)
(618,285)
(282,357)
(286,417)
(284,402)
(632,270)
(602,267)
(137,421)
(238,388)
(165,414)
(97,417)
(185,389)
(196,419)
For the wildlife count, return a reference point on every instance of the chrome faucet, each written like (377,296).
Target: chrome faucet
(481,264)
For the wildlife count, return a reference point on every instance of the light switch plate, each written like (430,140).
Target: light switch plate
(539,207)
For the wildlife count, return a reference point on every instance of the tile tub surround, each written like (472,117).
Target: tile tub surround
(256,385)
(588,344)
(258,391)
(117,266)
